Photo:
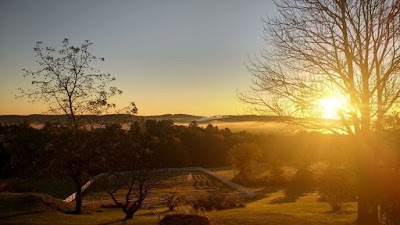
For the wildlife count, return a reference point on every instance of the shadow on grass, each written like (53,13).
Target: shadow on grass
(142,214)
(293,192)
(112,222)
(20,214)
(339,212)
(263,193)
(347,208)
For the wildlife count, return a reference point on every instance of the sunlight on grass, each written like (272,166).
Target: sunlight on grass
(272,205)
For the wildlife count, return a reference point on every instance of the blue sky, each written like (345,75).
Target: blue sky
(168,56)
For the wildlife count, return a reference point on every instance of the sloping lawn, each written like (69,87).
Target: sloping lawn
(272,208)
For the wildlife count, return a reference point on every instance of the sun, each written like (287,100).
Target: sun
(330,106)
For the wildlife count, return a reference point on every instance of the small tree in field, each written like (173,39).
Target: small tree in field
(134,184)
(67,82)
(135,157)
(243,156)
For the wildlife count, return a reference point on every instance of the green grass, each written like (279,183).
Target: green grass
(200,183)
(14,204)
(305,210)
(273,205)
(109,216)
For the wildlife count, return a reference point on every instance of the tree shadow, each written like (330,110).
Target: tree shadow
(143,214)
(112,222)
(293,193)
(263,193)
(339,212)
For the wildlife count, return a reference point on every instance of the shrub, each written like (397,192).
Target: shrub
(277,172)
(251,182)
(390,201)
(242,156)
(337,187)
(182,219)
(217,201)
(304,176)
(390,210)
(173,200)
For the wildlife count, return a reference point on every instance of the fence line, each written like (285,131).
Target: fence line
(231,184)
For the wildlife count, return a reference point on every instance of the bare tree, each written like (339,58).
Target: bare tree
(133,185)
(321,48)
(68,83)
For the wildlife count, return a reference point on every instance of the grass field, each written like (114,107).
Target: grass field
(199,184)
(305,210)
(275,205)
(259,171)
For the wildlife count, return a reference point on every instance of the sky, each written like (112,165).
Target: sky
(168,56)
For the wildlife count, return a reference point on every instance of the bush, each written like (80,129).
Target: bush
(337,187)
(304,176)
(251,182)
(181,219)
(173,200)
(217,201)
(390,201)
(390,210)
(277,172)
(242,156)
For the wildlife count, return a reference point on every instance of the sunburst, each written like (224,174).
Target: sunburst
(330,107)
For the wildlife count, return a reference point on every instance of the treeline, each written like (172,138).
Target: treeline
(46,152)
(30,152)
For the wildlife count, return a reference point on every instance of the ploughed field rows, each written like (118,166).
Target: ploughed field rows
(187,184)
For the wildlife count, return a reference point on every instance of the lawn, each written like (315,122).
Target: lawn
(272,205)
(268,208)
(174,182)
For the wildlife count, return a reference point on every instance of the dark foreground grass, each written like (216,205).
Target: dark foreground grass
(16,204)
(305,210)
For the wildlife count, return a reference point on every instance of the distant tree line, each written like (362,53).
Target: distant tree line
(30,152)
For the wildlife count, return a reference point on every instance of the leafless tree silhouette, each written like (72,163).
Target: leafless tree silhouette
(344,48)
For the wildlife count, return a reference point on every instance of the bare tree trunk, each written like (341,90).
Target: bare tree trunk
(130,212)
(129,215)
(367,213)
(78,199)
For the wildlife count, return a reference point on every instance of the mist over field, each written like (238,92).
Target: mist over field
(248,123)
(256,127)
